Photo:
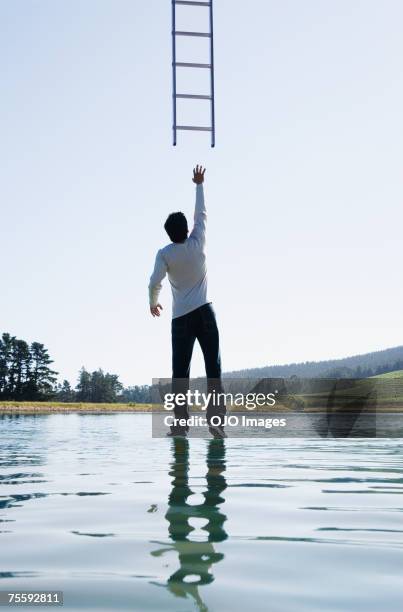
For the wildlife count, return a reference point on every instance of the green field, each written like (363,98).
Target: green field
(396,374)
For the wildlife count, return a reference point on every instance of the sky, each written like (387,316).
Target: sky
(303,190)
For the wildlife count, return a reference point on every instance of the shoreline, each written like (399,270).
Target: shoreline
(10,407)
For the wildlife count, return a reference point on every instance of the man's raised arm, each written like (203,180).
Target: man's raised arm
(199,229)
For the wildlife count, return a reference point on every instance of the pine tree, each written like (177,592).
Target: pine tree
(84,386)
(42,378)
(65,393)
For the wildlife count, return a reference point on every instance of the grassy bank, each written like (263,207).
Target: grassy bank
(57,407)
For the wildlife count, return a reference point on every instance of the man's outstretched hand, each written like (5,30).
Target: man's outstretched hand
(155,310)
(198,175)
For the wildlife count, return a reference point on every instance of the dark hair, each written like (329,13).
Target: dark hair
(176,226)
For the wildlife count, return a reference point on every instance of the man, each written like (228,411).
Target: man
(193,316)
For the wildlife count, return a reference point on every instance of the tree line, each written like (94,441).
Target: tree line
(101,388)
(26,375)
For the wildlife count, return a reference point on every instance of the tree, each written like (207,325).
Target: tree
(65,393)
(113,386)
(98,387)
(6,344)
(41,379)
(139,394)
(25,372)
(19,368)
(84,386)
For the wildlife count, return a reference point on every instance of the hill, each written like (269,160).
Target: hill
(368,364)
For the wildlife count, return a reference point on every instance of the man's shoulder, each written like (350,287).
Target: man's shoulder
(166,249)
(196,242)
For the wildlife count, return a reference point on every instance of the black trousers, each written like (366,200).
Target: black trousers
(199,324)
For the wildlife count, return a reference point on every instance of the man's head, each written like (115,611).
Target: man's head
(176,226)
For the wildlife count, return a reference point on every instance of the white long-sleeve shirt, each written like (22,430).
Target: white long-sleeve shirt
(185,264)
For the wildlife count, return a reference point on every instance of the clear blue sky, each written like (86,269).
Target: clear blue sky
(304,190)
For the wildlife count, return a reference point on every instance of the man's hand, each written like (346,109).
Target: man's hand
(155,310)
(198,175)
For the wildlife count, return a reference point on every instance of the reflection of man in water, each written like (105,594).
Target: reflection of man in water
(350,410)
(195,558)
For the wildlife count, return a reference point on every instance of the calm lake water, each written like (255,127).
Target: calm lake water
(92,505)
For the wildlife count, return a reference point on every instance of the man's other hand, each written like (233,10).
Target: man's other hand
(198,175)
(155,310)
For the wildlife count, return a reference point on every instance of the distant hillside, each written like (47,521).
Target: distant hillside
(369,364)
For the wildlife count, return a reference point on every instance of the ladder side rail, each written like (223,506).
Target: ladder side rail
(174,72)
(212,106)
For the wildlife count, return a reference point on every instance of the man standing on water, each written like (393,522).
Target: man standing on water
(184,260)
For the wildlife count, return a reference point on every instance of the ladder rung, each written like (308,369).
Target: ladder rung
(190,65)
(192,3)
(194,96)
(207,34)
(193,127)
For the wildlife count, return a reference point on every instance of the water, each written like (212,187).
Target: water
(92,505)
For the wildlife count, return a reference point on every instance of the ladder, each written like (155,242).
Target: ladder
(209,66)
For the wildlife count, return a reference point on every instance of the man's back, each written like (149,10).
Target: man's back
(185,264)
